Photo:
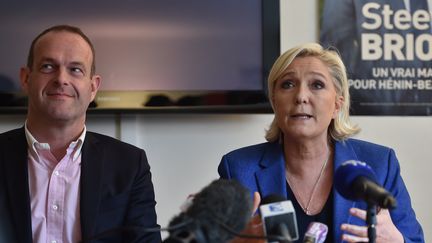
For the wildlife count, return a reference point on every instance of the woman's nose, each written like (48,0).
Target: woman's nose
(302,95)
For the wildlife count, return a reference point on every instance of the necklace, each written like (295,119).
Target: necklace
(306,209)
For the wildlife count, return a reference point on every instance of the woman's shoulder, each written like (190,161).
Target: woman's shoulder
(253,150)
(365,145)
(243,162)
(370,152)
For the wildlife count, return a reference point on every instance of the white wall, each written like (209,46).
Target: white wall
(184,150)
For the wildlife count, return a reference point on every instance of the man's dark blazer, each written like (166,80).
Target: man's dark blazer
(115,190)
(261,168)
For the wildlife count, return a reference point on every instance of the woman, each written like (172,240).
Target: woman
(310,137)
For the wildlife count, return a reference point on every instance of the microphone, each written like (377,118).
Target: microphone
(316,233)
(279,218)
(222,205)
(356,180)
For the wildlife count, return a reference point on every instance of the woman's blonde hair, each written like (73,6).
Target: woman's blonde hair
(341,127)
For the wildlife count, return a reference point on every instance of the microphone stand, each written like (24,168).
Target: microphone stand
(283,230)
(371,222)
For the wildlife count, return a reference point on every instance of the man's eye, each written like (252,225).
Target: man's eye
(77,70)
(46,68)
(287,84)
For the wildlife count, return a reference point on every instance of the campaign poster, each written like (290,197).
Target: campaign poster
(387,49)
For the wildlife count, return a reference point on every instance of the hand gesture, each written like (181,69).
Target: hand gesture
(386,231)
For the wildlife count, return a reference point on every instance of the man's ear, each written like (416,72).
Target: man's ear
(24,78)
(95,84)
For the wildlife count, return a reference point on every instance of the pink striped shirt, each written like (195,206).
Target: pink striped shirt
(54,191)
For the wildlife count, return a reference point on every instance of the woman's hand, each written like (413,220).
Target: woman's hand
(386,231)
(256,202)
(254,227)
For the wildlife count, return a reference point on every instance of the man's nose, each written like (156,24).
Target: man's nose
(62,76)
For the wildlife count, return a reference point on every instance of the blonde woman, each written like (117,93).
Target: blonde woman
(310,137)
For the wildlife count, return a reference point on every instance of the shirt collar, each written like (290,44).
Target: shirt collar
(76,145)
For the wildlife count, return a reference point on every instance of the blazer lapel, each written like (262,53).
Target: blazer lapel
(16,171)
(271,179)
(91,174)
(341,206)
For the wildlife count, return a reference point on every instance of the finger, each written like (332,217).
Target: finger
(355,229)
(256,202)
(359,213)
(353,238)
(383,217)
(187,203)
(383,212)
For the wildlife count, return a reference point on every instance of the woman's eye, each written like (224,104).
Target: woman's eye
(318,85)
(287,84)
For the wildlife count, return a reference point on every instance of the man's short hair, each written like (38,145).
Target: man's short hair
(59,28)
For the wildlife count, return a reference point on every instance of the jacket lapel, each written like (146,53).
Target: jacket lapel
(341,206)
(271,178)
(91,174)
(16,172)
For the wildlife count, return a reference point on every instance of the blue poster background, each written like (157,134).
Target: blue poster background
(387,48)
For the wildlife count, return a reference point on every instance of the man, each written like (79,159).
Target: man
(58,181)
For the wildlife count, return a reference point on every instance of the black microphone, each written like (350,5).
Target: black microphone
(356,180)
(220,205)
(316,233)
(279,218)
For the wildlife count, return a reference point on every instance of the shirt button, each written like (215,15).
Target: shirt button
(53,241)
(56,173)
(55,207)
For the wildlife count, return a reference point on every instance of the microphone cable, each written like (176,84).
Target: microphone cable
(227,228)
(181,225)
(136,229)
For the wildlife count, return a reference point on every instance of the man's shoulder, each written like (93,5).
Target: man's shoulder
(110,142)
(112,151)
(12,134)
